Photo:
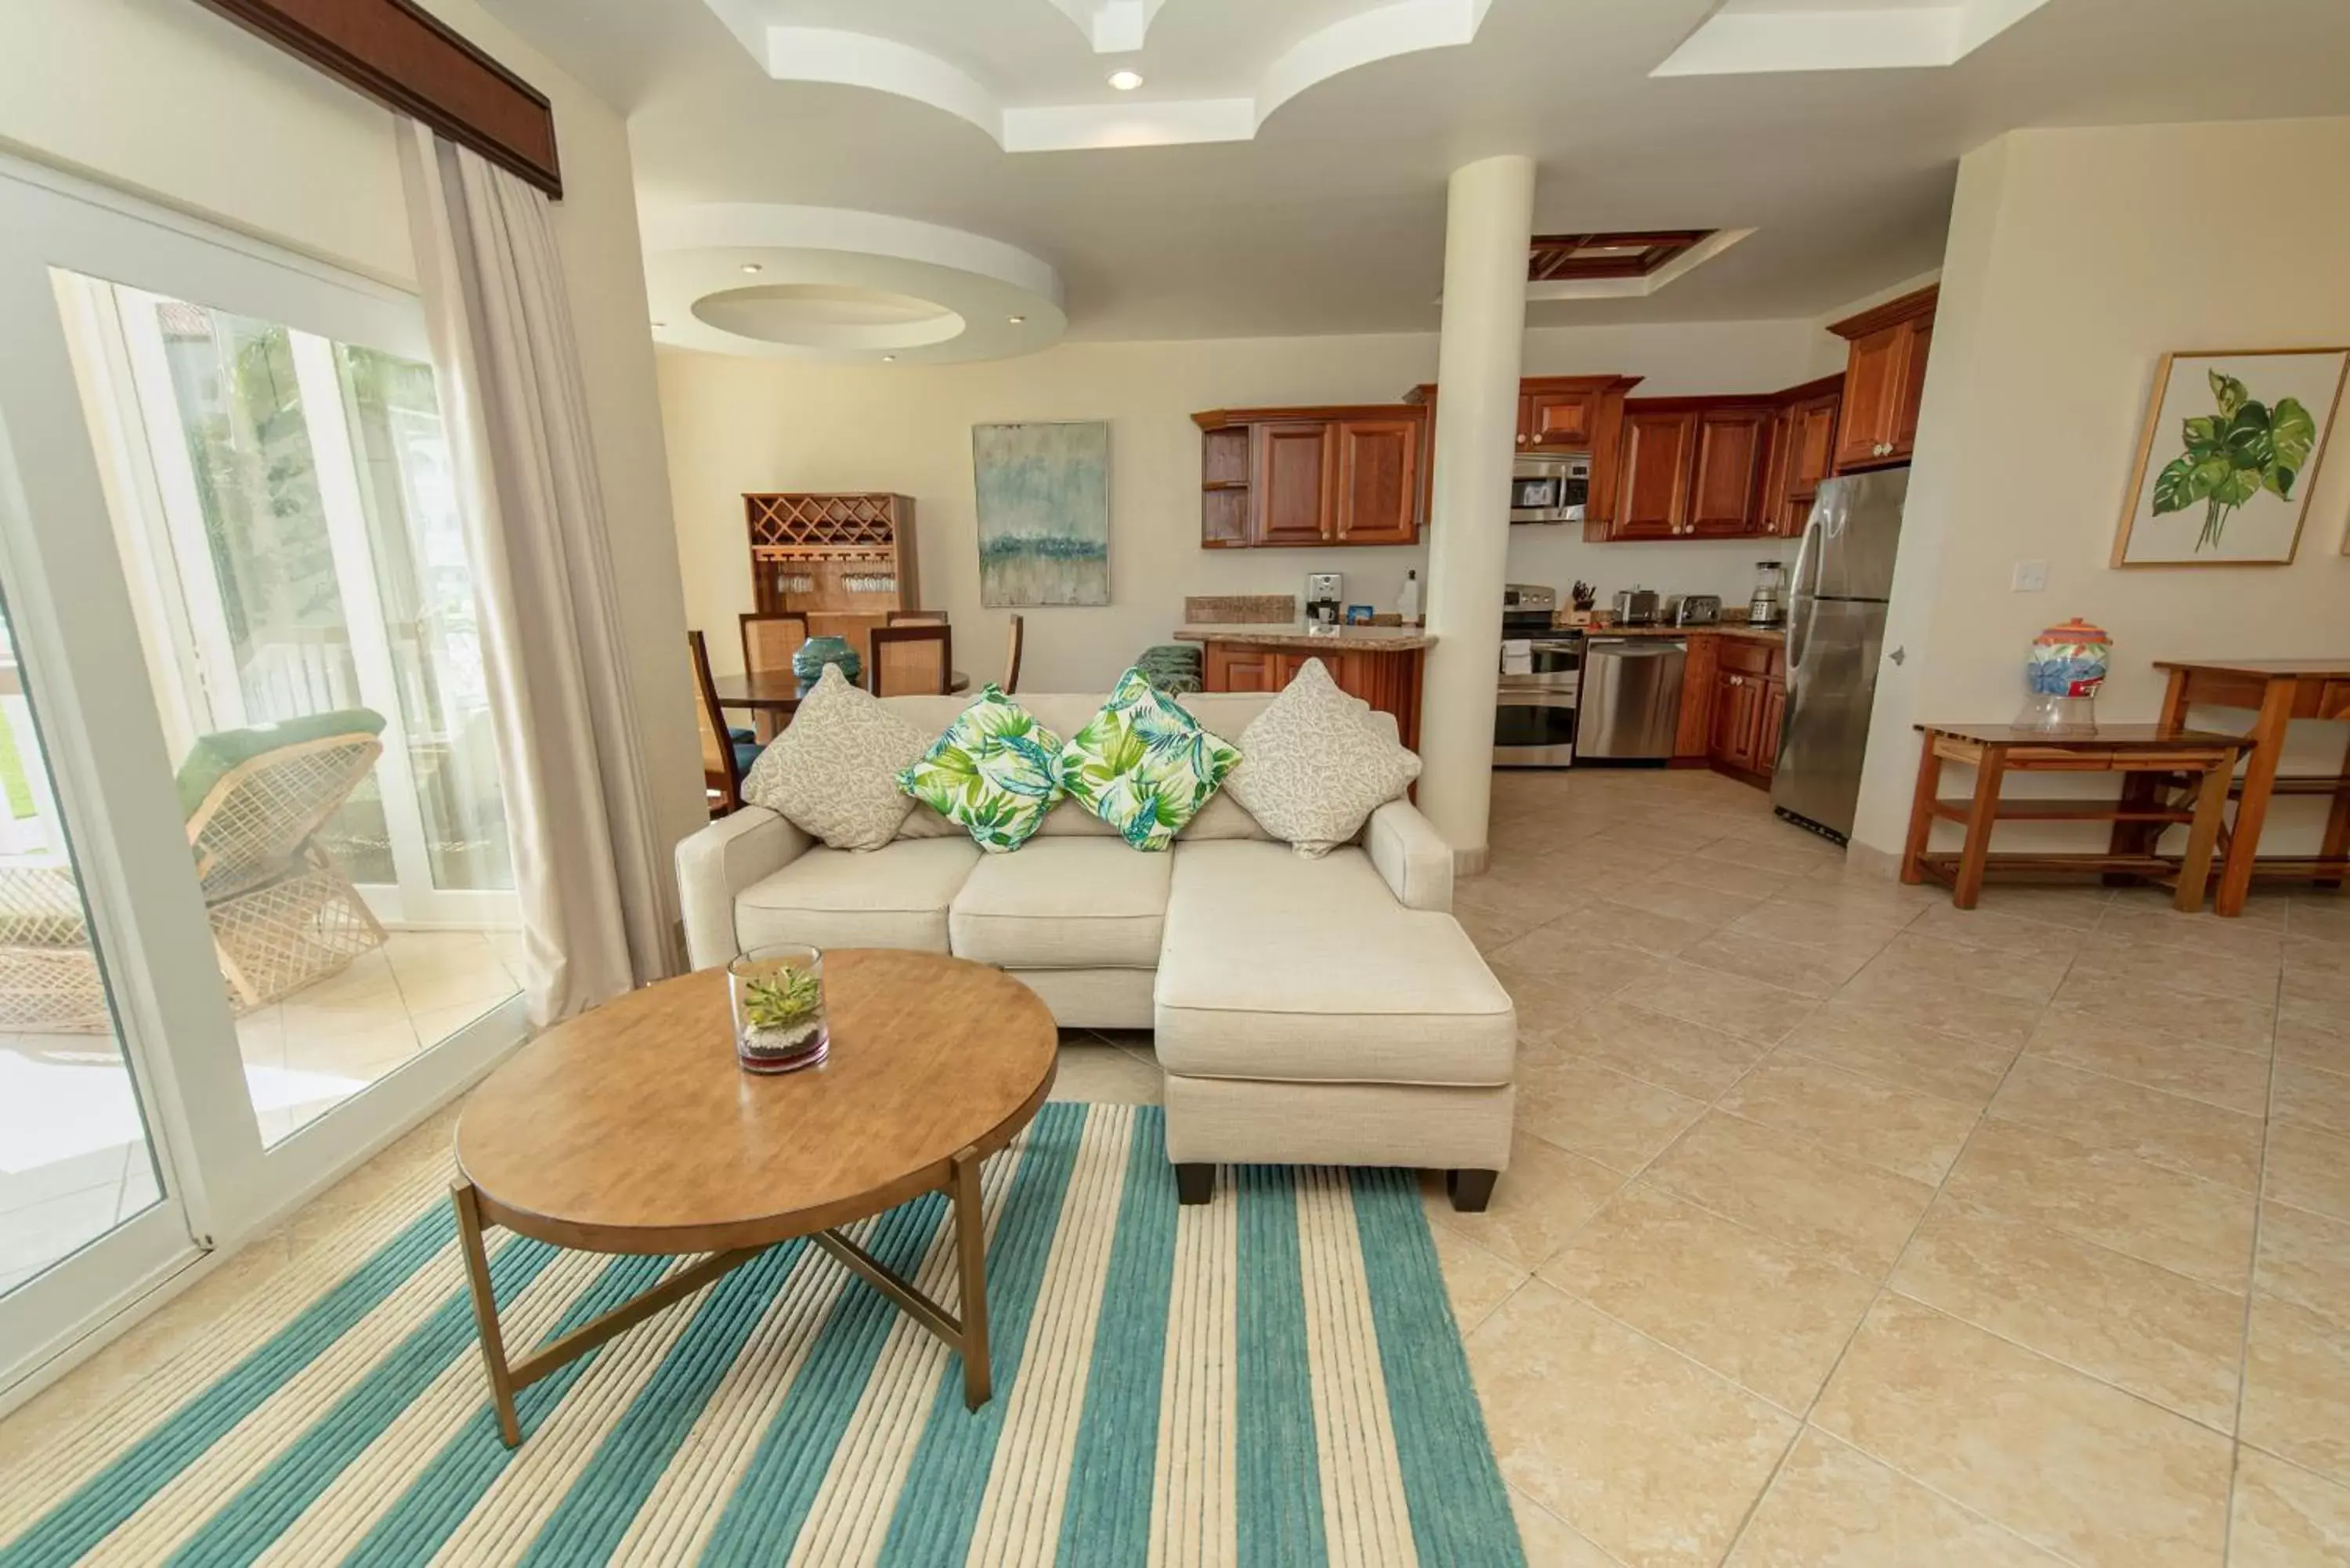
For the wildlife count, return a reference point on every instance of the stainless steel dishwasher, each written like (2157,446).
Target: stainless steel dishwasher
(1631,704)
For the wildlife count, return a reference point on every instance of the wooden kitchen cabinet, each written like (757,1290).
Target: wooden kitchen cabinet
(1652,496)
(1803,455)
(1749,705)
(1774,724)
(1378,481)
(1885,380)
(1388,678)
(1286,478)
(1726,483)
(1692,468)
(1293,484)
(1559,421)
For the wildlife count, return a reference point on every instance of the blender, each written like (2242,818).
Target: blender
(1769,605)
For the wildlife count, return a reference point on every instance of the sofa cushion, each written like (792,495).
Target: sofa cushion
(1226,713)
(1063,903)
(1142,764)
(990,771)
(1278,967)
(891,898)
(1317,762)
(834,772)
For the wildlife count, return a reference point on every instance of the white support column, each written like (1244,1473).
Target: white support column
(1489,220)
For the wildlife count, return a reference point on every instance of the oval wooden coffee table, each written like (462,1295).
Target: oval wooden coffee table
(630,1129)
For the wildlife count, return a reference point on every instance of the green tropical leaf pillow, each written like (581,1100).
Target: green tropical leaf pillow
(1144,765)
(991,774)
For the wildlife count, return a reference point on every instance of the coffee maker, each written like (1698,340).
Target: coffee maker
(1325,603)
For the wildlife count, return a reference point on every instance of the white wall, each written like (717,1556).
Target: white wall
(167,99)
(2072,268)
(741,424)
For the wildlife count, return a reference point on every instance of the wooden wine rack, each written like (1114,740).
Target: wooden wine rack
(844,561)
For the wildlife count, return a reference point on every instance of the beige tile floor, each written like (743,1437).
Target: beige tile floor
(1848,1229)
(1843,1230)
(73,1155)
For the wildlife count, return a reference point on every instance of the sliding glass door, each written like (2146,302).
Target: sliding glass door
(250,806)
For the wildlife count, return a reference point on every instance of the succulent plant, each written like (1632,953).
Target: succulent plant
(784,999)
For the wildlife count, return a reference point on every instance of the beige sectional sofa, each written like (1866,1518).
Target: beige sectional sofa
(1305,1011)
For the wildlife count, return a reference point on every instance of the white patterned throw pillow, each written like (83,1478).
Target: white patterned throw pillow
(834,772)
(1316,763)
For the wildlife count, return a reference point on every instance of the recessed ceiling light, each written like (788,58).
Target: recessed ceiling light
(752,266)
(1017,320)
(889,359)
(1126,81)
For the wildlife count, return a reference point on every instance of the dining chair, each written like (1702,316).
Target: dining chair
(910,660)
(850,626)
(771,637)
(917,617)
(725,759)
(1012,655)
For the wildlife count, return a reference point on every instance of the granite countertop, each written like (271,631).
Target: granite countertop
(1774,635)
(1293,634)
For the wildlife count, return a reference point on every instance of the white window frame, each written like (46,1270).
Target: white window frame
(86,674)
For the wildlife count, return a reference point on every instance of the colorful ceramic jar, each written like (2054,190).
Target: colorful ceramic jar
(2070,661)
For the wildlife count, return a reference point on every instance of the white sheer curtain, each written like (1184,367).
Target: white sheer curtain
(594,893)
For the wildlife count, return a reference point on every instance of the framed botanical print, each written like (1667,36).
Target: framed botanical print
(2230,456)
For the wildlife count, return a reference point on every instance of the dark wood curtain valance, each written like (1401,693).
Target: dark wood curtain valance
(395,52)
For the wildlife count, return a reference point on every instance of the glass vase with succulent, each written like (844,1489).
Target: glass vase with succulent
(779,1014)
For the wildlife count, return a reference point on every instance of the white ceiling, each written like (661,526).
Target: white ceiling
(1330,219)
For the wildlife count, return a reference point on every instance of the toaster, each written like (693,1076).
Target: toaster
(1697,609)
(1638,606)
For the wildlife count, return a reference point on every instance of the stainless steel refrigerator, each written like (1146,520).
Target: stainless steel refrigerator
(1835,635)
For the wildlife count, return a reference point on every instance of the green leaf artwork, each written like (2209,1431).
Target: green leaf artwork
(2233,456)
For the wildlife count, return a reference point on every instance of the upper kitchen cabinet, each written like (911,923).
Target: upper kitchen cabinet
(1726,487)
(1803,453)
(1691,468)
(1885,378)
(1379,463)
(1653,483)
(1284,478)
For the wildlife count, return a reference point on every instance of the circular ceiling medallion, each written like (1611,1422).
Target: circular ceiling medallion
(828,315)
(844,286)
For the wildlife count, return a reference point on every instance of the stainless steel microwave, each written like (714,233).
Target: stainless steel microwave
(1550,488)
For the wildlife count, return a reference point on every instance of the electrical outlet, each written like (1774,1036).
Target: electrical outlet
(2031,577)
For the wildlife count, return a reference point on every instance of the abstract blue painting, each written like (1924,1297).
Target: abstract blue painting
(1044,513)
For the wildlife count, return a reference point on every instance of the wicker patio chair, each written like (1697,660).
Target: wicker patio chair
(283,914)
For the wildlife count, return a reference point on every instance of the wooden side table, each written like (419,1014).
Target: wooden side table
(2279,690)
(2142,751)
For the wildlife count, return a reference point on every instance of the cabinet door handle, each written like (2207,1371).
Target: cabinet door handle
(1522,441)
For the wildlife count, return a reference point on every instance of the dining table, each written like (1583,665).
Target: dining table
(773,696)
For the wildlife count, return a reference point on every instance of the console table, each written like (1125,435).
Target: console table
(2146,753)
(2279,690)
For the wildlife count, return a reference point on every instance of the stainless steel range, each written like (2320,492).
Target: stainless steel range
(1540,682)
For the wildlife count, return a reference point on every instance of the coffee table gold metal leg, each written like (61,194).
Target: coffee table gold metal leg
(486,1309)
(971,1259)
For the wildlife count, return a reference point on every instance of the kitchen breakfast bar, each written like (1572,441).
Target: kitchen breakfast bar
(1380,664)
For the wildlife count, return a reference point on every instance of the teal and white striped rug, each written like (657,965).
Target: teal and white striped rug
(1274,1378)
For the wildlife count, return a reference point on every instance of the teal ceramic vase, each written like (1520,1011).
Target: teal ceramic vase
(816,652)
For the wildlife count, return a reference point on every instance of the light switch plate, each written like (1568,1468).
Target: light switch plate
(2031,577)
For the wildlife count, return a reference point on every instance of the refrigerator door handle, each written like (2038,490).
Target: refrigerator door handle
(1799,632)
(1806,583)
